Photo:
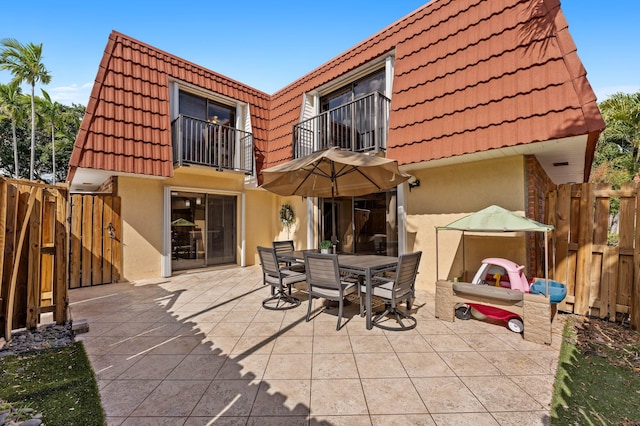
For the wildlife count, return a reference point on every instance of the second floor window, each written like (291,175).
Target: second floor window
(205,109)
(372,83)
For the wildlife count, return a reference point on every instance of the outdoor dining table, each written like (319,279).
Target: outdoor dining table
(363,265)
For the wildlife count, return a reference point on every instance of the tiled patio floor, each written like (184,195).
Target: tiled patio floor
(198,349)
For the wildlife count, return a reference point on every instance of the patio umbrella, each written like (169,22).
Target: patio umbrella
(333,173)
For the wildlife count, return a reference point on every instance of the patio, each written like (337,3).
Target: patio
(199,349)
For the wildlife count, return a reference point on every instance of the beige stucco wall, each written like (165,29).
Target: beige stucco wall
(452,192)
(141,227)
(142,213)
(445,194)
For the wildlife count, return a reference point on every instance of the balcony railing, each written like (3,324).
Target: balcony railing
(202,142)
(362,125)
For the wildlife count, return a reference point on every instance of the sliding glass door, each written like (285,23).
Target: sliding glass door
(364,225)
(203,230)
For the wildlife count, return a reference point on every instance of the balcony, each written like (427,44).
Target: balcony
(204,143)
(362,125)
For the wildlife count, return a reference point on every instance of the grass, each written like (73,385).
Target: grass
(59,383)
(589,390)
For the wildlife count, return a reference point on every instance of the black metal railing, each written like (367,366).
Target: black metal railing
(362,125)
(205,143)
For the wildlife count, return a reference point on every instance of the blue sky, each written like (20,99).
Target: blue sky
(269,44)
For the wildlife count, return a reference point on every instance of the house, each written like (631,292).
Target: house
(482,101)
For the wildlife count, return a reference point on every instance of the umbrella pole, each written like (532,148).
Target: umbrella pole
(334,239)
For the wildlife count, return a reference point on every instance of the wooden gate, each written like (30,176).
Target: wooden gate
(33,246)
(602,277)
(96,251)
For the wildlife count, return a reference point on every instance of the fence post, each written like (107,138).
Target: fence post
(585,237)
(635,288)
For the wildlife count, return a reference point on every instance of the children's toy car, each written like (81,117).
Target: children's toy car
(504,273)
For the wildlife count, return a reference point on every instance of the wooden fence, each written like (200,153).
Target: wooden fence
(33,245)
(602,279)
(96,252)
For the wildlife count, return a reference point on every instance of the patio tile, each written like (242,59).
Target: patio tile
(369,344)
(332,344)
(424,365)
(115,421)
(282,398)
(301,328)
(351,400)
(197,367)
(432,327)
(379,365)
(177,345)
(110,366)
(138,345)
(219,345)
(413,342)
(172,398)
(469,364)
(530,418)
(402,420)
(229,329)
(485,342)
(465,419)
(152,367)
(253,366)
(249,345)
(153,421)
(288,366)
(517,365)
(277,421)
(392,396)
(218,421)
(500,393)
(227,398)
(262,329)
(244,368)
(334,366)
(122,397)
(357,420)
(447,395)
(539,388)
(293,344)
(447,342)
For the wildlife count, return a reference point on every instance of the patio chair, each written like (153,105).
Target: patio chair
(392,291)
(279,278)
(324,281)
(287,246)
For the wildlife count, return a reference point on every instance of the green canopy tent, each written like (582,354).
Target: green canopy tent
(497,219)
(182,222)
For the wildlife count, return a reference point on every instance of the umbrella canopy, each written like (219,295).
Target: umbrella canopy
(496,219)
(182,222)
(333,173)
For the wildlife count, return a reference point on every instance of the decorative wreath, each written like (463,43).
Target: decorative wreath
(286,215)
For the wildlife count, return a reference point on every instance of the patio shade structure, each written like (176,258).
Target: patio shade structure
(497,219)
(333,172)
(182,222)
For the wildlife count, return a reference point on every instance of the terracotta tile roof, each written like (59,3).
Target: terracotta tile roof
(127,125)
(469,76)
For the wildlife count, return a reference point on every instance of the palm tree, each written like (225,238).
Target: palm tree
(621,112)
(51,113)
(12,107)
(24,61)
